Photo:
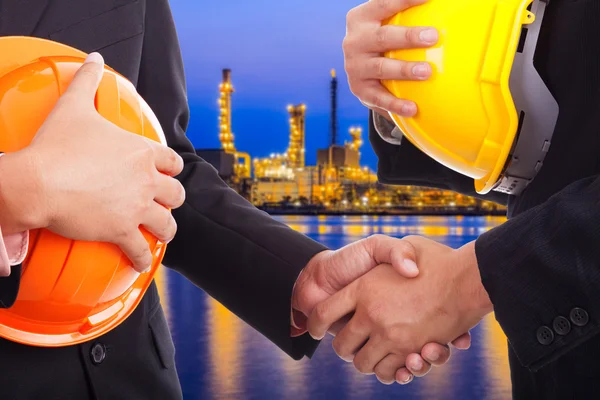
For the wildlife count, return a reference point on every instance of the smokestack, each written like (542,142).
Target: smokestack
(333,127)
(226,75)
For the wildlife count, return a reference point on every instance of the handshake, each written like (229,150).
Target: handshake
(393,305)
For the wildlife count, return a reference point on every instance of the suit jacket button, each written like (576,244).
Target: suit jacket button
(579,317)
(98,353)
(561,325)
(545,335)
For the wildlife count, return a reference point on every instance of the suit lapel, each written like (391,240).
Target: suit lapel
(21,17)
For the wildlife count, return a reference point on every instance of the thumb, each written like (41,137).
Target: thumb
(87,79)
(400,253)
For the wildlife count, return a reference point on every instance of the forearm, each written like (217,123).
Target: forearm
(542,265)
(239,255)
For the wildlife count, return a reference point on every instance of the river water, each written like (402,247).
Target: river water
(220,357)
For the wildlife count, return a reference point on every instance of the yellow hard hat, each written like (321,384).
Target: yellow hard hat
(485,112)
(71,291)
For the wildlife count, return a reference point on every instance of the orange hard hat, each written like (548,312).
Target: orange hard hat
(71,291)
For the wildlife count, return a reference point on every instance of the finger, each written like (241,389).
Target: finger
(331,310)
(160,222)
(401,254)
(136,248)
(370,355)
(417,366)
(85,83)
(463,342)
(170,192)
(378,10)
(389,69)
(337,327)
(386,368)
(403,376)
(435,354)
(394,37)
(379,97)
(166,159)
(350,339)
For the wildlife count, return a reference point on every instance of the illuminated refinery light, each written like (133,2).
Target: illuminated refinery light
(343,183)
(241,160)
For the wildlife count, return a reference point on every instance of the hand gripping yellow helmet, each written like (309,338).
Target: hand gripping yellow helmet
(485,112)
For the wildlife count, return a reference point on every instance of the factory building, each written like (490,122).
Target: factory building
(336,182)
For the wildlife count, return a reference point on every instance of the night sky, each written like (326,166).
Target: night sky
(280,53)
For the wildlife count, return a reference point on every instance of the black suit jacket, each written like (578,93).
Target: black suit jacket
(544,263)
(236,253)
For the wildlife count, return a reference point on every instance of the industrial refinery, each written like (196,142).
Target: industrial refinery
(282,183)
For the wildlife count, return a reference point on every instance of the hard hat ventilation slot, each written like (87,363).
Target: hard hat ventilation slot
(522,40)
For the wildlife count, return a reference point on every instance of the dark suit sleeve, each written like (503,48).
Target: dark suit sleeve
(408,166)
(239,255)
(543,264)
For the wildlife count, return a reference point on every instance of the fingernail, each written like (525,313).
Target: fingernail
(407,380)
(434,356)
(421,70)
(94,58)
(409,109)
(410,266)
(147,269)
(417,365)
(429,35)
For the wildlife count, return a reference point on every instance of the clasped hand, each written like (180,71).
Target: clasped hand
(394,305)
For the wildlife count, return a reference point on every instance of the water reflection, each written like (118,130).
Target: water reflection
(220,357)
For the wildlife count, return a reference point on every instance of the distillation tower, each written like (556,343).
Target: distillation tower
(283,166)
(295,153)
(242,160)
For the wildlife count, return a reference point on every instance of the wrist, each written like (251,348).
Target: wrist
(476,300)
(21,198)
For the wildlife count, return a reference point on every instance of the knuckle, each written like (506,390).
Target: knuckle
(348,44)
(385,6)
(89,71)
(381,37)
(174,159)
(171,228)
(339,348)
(375,312)
(379,64)
(406,70)
(143,207)
(377,101)
(377,237)
(121,233)
(141,255)
(355,327)
(320,313)
(384,375)
(351,16)
(395,335)
(409,35)
(362,365)
(181,195)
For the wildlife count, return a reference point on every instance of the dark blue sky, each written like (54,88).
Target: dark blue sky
(280,52)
